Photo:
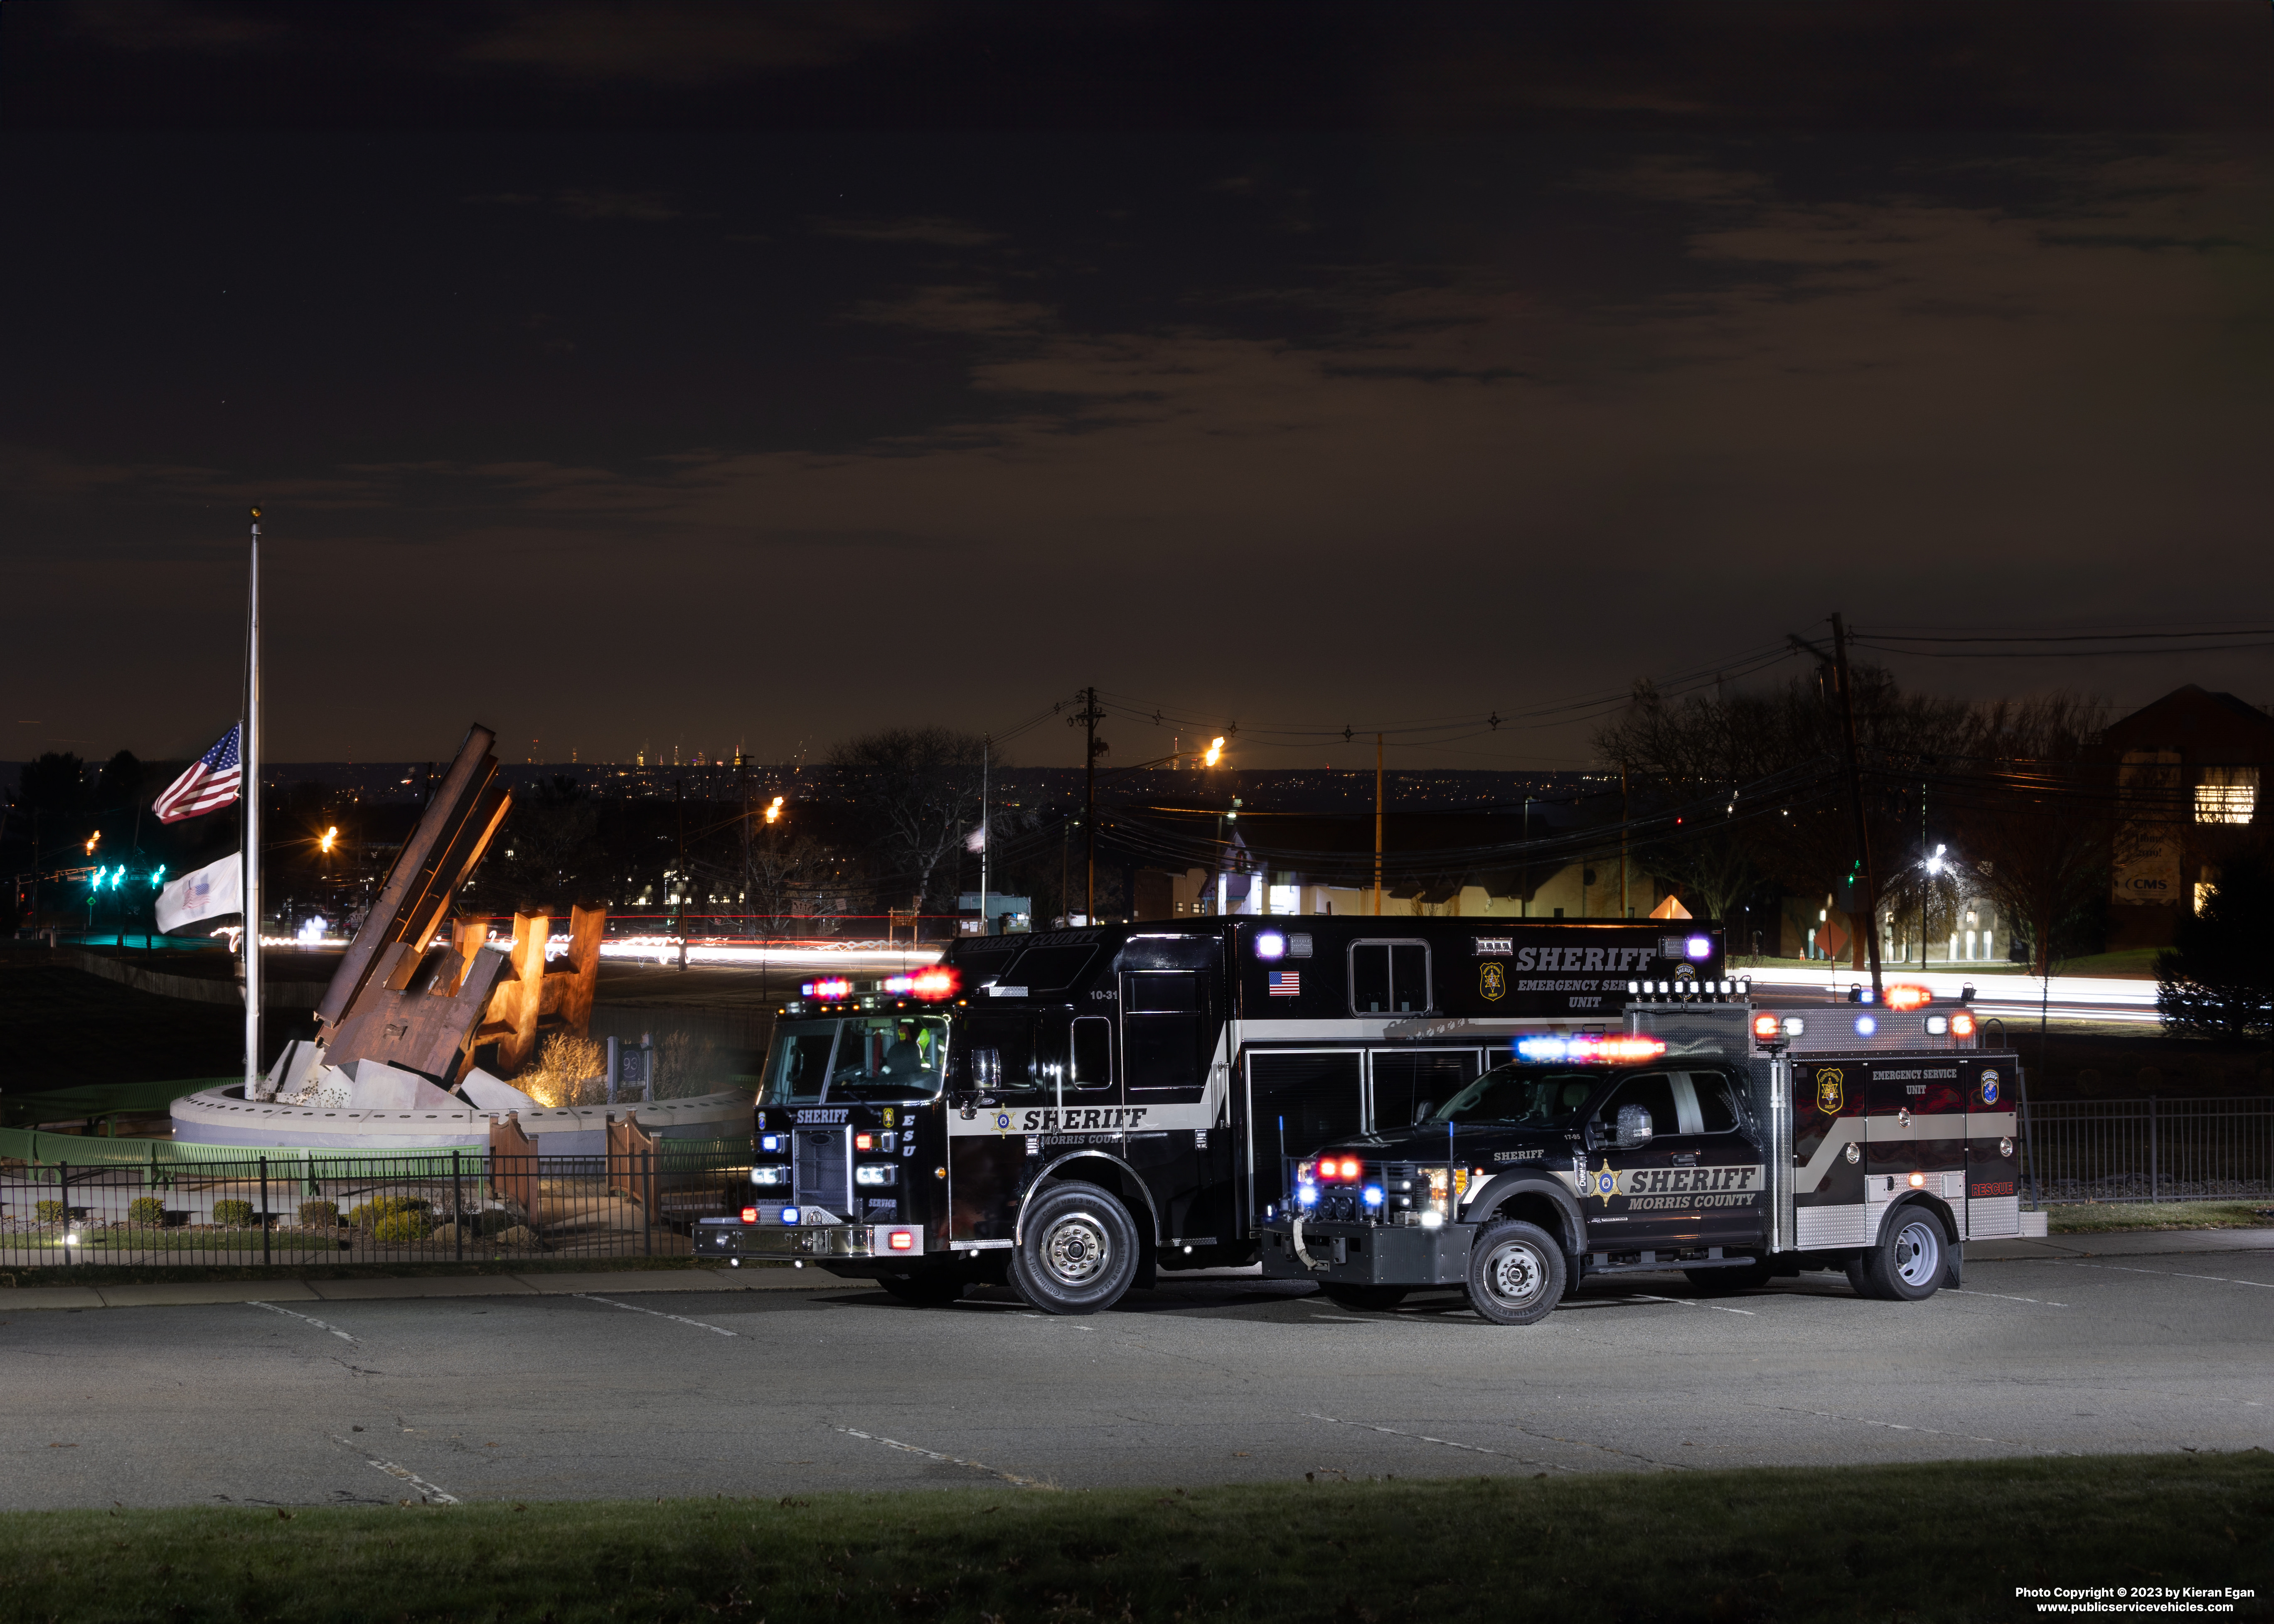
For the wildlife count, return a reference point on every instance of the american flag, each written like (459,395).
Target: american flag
(1286,984)
(211,782)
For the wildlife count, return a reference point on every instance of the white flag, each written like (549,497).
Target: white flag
(217,888)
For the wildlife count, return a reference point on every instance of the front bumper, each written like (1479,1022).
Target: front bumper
(1370,1254)
(763,1243)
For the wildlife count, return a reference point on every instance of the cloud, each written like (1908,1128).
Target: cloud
(679,44)
(933,229)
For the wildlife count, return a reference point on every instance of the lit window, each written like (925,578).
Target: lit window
(2227,795)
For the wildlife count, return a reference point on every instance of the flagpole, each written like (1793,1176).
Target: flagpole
(253,817)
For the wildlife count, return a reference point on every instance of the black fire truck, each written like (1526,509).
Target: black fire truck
(1073,1111)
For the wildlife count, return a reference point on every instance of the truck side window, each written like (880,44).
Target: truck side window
(1718,1109)
(1092,1053)
(1010,1036)
(1164,1029)
(1655,1093)
(1389,977)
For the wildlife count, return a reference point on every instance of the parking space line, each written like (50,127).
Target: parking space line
(1423,1438)
(952,1460)
(1645,1297)
(1897,1427)
(2117,1269)
(426,1489)
(2003,1297)
(310,1318)
(716,1330)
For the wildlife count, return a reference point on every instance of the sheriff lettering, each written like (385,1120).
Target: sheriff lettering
(1085,1119)
(1604,960)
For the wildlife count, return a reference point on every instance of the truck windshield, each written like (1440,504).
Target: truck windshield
(1522,1096)
(859,1057)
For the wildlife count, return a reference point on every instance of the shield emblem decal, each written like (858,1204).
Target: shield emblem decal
(1831,1095)
(1492,981)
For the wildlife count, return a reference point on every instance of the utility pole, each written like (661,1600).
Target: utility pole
(1377,825)
(1087,717)
(1855,773)
(1624,910)
(986,749)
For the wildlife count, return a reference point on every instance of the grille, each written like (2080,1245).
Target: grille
(824,1169)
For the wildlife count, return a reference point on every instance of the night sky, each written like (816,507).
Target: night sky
(655,375)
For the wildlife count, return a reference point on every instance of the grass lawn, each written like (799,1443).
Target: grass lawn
(2092,1217)
(1918,1543)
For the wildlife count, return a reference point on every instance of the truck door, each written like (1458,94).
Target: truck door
(1628,1192)
(999,1079)
(1728,1176)
(1297,1101)
(1993,1163)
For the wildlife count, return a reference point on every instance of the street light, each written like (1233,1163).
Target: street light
(93,841)
(774,811)
(325,845)
(1214,750)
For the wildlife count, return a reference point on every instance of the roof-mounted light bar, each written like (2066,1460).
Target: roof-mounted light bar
(1588,1048)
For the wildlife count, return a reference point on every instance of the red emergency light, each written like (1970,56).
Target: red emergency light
(1332,1167)
(1905,997)
(900,1240)
(834,987)
(1961,1024)
(864,1141)
(1766,1028)
(749,1214)
(940,981)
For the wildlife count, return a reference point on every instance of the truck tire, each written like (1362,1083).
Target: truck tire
(1078,1250)
(1369,1299)
(1907,1264)
(1516,1274)
(1722,1282)
(931,1288)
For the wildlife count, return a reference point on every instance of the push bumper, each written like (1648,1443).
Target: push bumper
(1360,1254)
(729,1238)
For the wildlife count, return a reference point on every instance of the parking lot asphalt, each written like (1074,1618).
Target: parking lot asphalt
(582,1392)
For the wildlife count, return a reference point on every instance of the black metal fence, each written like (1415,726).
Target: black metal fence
(433,1208)
(2151,1150)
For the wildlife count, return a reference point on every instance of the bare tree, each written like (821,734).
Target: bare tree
(918,789)
(2036,812)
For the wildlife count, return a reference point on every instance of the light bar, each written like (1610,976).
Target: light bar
(1588,1048)
(834,987)
(940,981)
(1905,997)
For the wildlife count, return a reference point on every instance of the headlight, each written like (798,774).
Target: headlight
(874,1173)
(770,1176)
(769,1141)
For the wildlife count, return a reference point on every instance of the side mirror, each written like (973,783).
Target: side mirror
(1634,1126)
(1423,1109)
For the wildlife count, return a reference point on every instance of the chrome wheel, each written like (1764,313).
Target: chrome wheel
(1919,1255)
(1075,1249)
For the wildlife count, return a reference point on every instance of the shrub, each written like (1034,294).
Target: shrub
(233,1215)
(406,1225)
(378,1208)
(319,1215)
(492,1221)
(146,1209)
(50,1212)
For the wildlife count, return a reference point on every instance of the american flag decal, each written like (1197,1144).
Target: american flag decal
(1286,984)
